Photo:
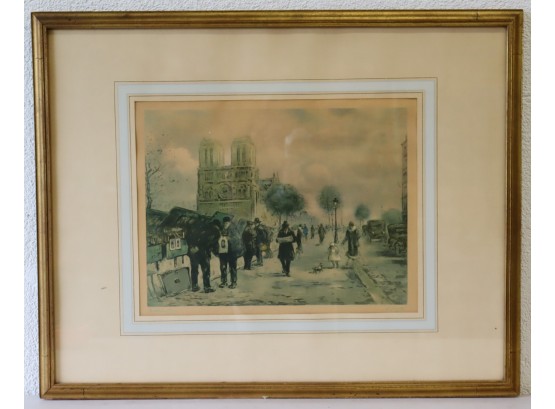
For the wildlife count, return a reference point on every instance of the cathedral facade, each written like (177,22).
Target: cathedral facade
(236,188)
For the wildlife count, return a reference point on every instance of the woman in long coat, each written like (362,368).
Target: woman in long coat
(249,237)
(321,233)
(352,237)
(286,252)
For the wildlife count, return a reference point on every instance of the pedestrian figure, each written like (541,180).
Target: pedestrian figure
(201,241)
(312,231)
(352,237)
(260,241)
(286,253)
(248,237)
(299,239)
(333,255)
(228,253)
(305,232)
(321,233)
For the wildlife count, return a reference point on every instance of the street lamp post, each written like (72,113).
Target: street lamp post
(335,204)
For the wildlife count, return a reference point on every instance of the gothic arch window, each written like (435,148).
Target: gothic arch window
(242,191)
(244,155)
(211,156)
(208,193)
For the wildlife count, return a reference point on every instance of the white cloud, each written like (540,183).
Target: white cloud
(181,160)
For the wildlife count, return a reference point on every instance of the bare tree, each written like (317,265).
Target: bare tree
(152,171)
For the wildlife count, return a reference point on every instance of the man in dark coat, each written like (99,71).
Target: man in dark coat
(201,238)
(299,239)
(228,252)
(249,243)
(352,237)
(286,252)
(321,233)
(260,240)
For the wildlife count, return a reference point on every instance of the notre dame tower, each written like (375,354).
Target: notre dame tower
(231,188)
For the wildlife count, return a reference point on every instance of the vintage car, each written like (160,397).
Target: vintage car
(397,239)
(375,230)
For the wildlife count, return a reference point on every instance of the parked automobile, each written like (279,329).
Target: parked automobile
(375,229)
(397,239)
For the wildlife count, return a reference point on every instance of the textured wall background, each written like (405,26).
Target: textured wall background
(31,358)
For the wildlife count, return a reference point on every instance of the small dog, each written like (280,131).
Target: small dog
(318,268)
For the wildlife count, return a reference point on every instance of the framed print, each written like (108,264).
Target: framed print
(278,204)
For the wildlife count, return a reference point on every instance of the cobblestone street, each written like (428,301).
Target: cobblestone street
(376,278)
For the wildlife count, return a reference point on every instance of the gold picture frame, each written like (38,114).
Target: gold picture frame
(57,379)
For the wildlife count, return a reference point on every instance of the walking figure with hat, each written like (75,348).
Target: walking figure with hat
(286,252)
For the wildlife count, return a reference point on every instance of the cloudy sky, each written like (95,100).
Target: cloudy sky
(352,144)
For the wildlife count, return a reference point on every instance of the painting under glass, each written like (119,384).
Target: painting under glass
(282,202)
